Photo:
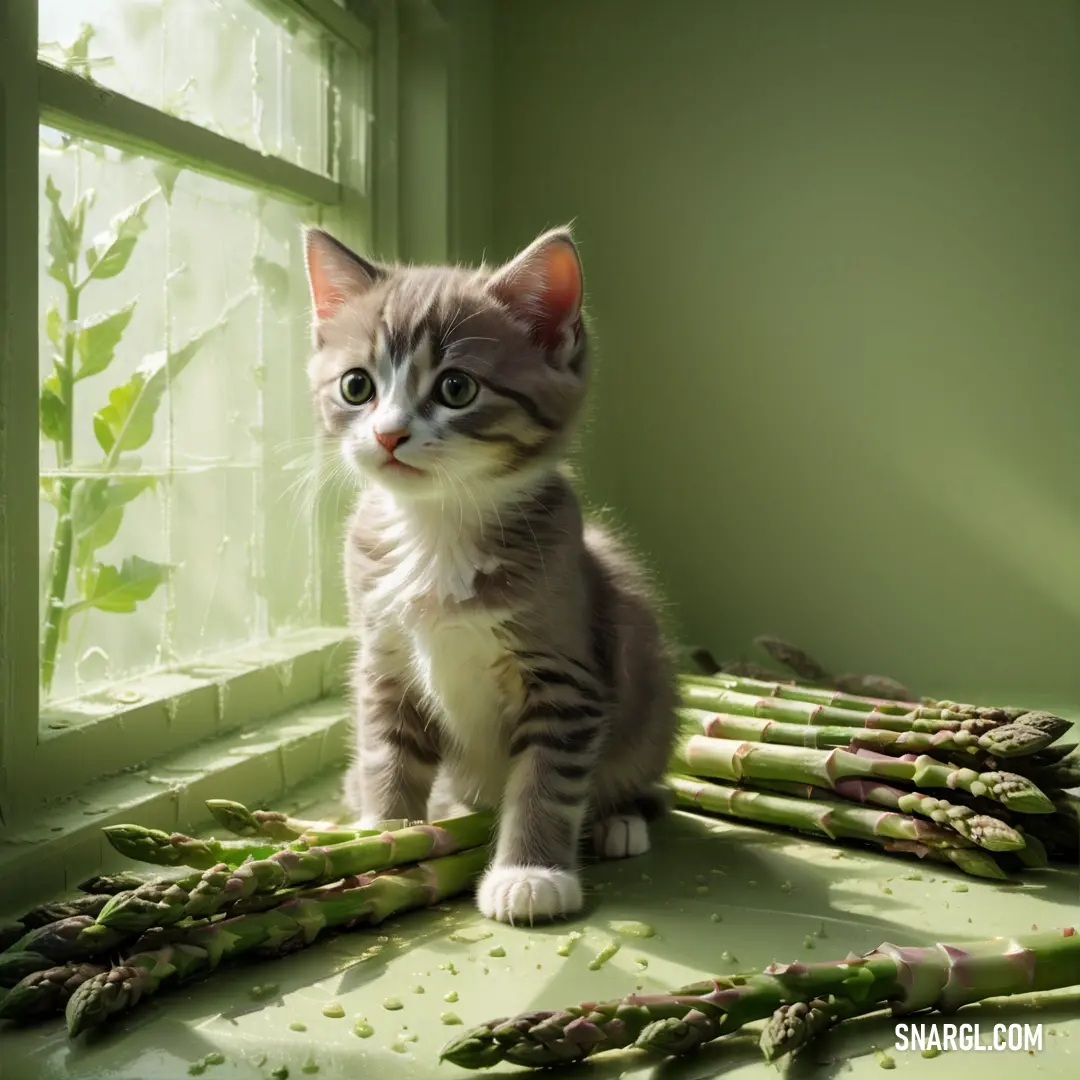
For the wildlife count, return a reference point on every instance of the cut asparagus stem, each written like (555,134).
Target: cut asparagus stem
(831,818)
(219,886)
(295,923)
(698,694)
(729,759)
(43,993)
(943,977)
(1008,740)
(983,830)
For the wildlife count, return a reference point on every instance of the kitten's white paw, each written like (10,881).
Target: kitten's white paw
(527,894)
(620,835)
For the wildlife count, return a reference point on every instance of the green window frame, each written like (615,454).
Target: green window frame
(42,763)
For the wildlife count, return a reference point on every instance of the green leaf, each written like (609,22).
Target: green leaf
(274,278)
(97,341)
(54,326)
(127,422)
(166,175)
(120,589)
(97,509)
(62,246)
(110,251)
(52,413)
(102,532)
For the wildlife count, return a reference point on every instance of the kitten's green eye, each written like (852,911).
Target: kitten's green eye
(357,387)
(455,390)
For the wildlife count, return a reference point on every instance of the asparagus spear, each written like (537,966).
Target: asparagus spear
(15,965)
(1008,740)
(86,904)
(834,819)
(794,1025)
(78,937)
(238,819)
(698,694)
(730,759)
(43,993)
(833,698)
(367,899)
(942,977)
(803,665)
(176,849)
(209,892)
(982,829)
(111,884)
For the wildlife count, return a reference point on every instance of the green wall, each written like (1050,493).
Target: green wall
(832,250)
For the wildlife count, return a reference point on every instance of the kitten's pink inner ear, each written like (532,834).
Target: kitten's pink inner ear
(543,286)
(334,273)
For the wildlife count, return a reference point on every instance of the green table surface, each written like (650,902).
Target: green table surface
(719,897)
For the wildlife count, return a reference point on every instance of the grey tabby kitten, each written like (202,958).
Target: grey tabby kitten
(510,655)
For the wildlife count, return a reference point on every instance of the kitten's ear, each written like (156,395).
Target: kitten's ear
(543,286)
(335,274)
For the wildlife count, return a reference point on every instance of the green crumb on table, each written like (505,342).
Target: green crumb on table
(566,944)
(471,935)
(701,890)
(392,1004)
(334,1009)
(808,942)
(310,1066)
(264,991)
(450,1018)
(215,1057)
(930,1052)
(448,967)
(641,961)
(885,1061)
(450,995)
(631,928)
(716,917)
(298,1025)
(728,958)
(959,888)
(399,1047)
(362,1029)
(751,882)
(604,955)
(787,887)
(418,989)
(485,969)
(197,1068)
(821,931)
(280,1073)
(496,950)
(888,892)
(913,876)
(645,877)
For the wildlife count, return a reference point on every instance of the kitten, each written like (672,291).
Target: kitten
(510,655)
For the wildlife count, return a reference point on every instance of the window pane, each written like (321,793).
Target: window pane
(252,70)
(173,517)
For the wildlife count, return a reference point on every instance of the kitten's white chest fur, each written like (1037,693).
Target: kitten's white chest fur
(458,659)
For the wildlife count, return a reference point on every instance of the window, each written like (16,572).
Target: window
(180,545)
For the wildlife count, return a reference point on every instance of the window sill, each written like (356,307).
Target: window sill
(255,764)
(143,719)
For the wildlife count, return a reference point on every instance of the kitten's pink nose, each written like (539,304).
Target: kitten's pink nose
(391,440)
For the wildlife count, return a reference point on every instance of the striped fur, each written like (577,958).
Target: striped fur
(509,653)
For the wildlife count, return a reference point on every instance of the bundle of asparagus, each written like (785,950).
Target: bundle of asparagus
(980,787)
(797,1000)
(255,899)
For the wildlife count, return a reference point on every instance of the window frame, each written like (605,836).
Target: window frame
(38,761)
